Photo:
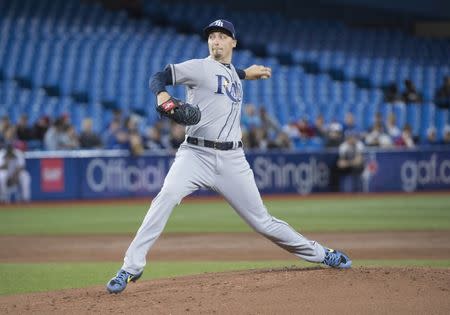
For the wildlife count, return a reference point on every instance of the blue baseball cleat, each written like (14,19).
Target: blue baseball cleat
(336,259)
(120,281)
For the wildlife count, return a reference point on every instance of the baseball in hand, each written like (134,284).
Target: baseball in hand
(266,72)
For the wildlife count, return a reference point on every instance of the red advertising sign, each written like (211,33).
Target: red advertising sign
(52,175)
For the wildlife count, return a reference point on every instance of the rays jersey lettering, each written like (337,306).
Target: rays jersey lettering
(232,89)
(217,91)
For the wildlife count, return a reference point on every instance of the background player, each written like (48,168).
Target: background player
(212,156)
(13,173)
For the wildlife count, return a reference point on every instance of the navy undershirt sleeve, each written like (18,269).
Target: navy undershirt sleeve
(240,73)
(160,80)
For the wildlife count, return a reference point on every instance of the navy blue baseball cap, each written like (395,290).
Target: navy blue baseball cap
(222,26)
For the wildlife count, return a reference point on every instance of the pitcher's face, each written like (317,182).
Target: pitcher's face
(221,46)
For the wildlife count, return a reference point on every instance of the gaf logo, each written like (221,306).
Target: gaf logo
(218,23)
(435,171)
(52,175)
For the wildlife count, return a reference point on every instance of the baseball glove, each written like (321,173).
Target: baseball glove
(179,111)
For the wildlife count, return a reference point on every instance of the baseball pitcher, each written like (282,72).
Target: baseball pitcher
(212,155)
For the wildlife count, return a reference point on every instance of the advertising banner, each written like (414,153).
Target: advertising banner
(102,175)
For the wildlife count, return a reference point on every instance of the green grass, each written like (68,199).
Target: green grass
(405,212)
(22,278)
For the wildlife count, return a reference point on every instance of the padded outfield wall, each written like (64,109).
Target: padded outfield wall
(115,174)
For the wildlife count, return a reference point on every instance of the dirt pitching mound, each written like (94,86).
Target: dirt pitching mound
(279,291)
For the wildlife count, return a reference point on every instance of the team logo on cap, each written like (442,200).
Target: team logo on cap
(218,23)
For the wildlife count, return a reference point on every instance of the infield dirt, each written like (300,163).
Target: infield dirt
(222,246)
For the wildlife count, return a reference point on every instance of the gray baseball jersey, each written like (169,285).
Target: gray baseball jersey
(217,90)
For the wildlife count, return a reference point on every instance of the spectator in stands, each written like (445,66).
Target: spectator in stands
(334,135)
(10,136)
(319,127)
(431,137)
(378,120)
(23,130)
(153,139)
(116,137)
(391,126)
(88,138)
(51,137)
(350,163)
(392,94)
(118,116)
(40,127)
(291,130)
(251,123)
(177,135)
(349,123)
(164,126)
(257,139)
(250,118)
(135,141)
(13,173)
(109,135)
(270,125)
(61,136)
(69,138)
(446,135)
(281,141)
(410,95)
(377,137)
(5,124)
(306,130)
(66,120)
(442,96)
(406,139)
